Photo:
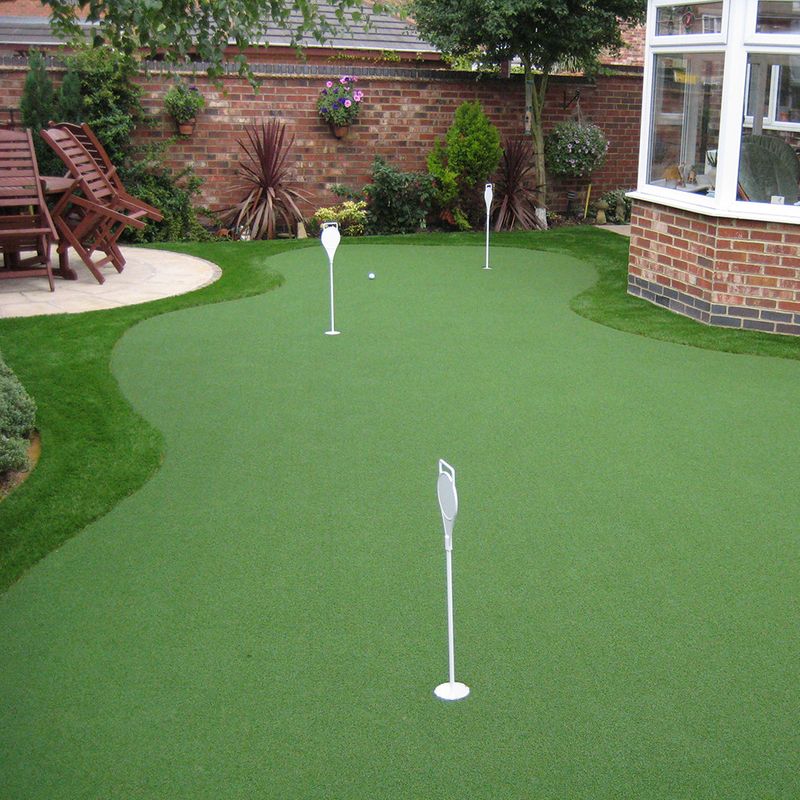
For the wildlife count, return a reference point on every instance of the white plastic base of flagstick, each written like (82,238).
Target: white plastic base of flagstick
(332,333)
(487,267)
(451,691)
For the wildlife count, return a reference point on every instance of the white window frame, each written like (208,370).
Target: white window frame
(737,40)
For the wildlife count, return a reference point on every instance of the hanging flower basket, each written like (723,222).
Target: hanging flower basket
(183,102)
(575,149)
(339,104)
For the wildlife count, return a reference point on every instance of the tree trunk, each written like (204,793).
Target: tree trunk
(535,91)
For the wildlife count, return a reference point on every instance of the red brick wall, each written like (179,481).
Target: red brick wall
(721,271)
(404,112)
(24,8)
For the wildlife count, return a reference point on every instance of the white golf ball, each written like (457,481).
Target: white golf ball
(371,276)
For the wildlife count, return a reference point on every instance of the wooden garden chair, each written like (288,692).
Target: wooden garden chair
(86,136)
(25,222)
(92,215)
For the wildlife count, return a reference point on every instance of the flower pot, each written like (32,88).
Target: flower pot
(186,128)
(340,131)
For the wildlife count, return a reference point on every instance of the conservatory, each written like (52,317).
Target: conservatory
(715,232)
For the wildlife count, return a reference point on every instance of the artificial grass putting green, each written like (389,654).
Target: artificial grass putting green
(265,618)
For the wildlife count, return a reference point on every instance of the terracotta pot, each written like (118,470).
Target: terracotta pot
(340,131)
(186,128)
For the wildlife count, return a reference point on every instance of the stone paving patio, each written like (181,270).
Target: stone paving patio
(148,275)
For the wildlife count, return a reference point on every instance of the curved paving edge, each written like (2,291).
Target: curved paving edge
(148,275)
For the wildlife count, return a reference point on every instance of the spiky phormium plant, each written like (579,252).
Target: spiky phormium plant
(517,208)
(269,194)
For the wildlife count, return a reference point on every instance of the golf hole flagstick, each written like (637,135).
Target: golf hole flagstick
(448,505)
(488,193)
(330,238)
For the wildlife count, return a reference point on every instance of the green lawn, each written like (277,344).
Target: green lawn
(265,616)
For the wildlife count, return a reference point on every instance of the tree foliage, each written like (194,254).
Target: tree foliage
(206,28)
(544,34)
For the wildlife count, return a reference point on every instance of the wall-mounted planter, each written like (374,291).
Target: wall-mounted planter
(182,103)
(340,131)
(186,128)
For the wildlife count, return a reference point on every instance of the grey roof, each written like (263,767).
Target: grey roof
(26,31)
(387,32)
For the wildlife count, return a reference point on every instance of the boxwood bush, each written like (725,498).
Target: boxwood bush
(17,418)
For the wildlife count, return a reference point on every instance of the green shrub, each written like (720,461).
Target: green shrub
(469,155)
(17,418)
(351,216)
(13,455)
(397,202)
(173,194)
(111,100)
(70,99)
(37,106)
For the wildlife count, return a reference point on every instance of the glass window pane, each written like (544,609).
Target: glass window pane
(759,72)
(778,16)
(694,18)
(687,97)
(769,169)
(789,91)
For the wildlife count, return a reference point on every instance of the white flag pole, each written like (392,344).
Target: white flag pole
(448,505)
(330,238)
(487,198)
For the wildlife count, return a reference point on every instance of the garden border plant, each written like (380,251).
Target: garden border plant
(93,459)
(17,420)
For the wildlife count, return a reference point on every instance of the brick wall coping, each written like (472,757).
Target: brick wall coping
(14,62)
(763,212)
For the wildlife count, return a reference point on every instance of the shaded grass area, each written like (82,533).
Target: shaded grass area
(97,451)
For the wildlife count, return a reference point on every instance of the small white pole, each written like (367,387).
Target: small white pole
(448,505)
(330,238)
(487,197)
(451,641)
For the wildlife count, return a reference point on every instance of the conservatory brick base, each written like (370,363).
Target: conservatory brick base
(729,272)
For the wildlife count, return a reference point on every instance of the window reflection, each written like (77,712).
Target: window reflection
(769,169)
(778,99)
(687,96)
(778,17)
(686,19)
